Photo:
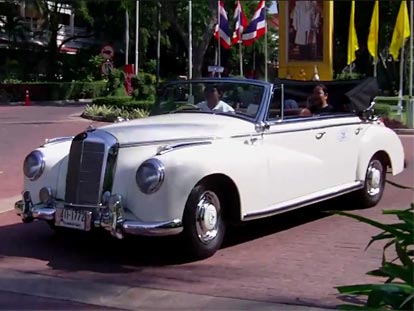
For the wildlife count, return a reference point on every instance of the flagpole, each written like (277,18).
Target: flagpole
(266,52)
(241,59)
(410,106)
(400,92)
(190,40)
(219,36)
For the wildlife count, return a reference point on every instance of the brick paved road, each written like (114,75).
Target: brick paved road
(295,258)
(13,301)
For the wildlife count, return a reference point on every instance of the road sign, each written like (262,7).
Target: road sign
(219,69)
(107,52)
(107,67)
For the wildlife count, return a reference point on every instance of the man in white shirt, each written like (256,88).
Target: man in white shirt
(213,102)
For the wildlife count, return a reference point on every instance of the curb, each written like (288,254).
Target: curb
(127,297)
(7,204)
(80,102)
(404,131)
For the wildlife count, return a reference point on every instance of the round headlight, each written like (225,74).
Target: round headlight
(150,176)
(34,164)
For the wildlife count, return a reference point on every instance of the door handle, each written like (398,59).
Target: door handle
(251,141)
(320,135)
(358,130)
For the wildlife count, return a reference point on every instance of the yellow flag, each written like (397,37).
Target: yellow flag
(401,30)
(373,32)
(352,36)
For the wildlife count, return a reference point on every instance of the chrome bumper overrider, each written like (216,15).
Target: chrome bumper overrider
(109,218)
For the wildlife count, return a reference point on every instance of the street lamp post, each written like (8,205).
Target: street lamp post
(136,37)
(158,40)
(126,37)
(190,40)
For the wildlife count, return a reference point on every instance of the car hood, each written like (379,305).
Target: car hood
(178,126)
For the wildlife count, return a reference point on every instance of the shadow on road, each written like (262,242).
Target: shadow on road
(99,252)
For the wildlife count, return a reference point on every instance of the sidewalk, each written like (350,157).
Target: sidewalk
(124,297)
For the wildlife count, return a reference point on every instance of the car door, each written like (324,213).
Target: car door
(295,161)
(338,141)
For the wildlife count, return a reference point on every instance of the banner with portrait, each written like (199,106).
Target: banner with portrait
(305,38)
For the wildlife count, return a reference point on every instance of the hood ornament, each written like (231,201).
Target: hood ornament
(90,128)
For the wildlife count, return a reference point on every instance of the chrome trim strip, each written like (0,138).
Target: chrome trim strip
(44,213)
(56,140)
(168,148)
(253,134)
(284,207)
(167,141)
(82,205)
(160,228)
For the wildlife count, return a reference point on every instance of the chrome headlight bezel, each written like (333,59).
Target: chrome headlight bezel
(37,167)
(153,181)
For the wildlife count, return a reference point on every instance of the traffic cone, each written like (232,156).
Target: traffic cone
(27,99)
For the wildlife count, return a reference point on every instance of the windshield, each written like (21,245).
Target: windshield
(211,97)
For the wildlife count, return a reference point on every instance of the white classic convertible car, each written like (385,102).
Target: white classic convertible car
(213,152)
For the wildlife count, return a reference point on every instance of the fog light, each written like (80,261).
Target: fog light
(45,195)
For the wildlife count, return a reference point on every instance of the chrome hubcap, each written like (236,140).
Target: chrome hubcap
(207,217)
(374,178)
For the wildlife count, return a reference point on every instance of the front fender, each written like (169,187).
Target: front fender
(185,167)
(380,138)
(54,173)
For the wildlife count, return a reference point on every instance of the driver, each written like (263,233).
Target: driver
(213,102)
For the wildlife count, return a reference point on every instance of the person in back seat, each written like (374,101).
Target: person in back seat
(318,101)
(290,104)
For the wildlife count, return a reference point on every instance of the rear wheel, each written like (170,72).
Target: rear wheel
(204,226)
(374,183)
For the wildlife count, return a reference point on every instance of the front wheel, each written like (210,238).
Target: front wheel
(374,184)
(204,226)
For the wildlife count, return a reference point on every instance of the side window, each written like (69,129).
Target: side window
(274,112)
(292,109)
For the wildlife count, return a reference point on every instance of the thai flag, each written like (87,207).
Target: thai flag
(257,26)
(222,29)
(240,23)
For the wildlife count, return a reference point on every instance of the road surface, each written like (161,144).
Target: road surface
(295,259)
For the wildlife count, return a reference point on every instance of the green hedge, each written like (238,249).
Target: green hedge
(382,110)
(43,91)
(126,102)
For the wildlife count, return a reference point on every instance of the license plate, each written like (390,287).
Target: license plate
(72,218)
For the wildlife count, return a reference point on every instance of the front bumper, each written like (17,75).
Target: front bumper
(108,217)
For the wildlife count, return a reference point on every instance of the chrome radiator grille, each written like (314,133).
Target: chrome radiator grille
(87,166)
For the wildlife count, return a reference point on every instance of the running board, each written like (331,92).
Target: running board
(305,200)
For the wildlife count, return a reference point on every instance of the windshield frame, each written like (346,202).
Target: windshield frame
(267,92)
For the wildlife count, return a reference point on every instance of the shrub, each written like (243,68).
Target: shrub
(382,110)
(397,291)
(115,85)
(124,102)
(112,114)
(144,86)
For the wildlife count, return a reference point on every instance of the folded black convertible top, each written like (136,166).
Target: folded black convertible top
(344,95)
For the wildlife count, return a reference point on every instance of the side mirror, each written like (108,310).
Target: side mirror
(371,106)
(367,114)
(261,126)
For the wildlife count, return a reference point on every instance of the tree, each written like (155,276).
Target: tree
(12,24)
